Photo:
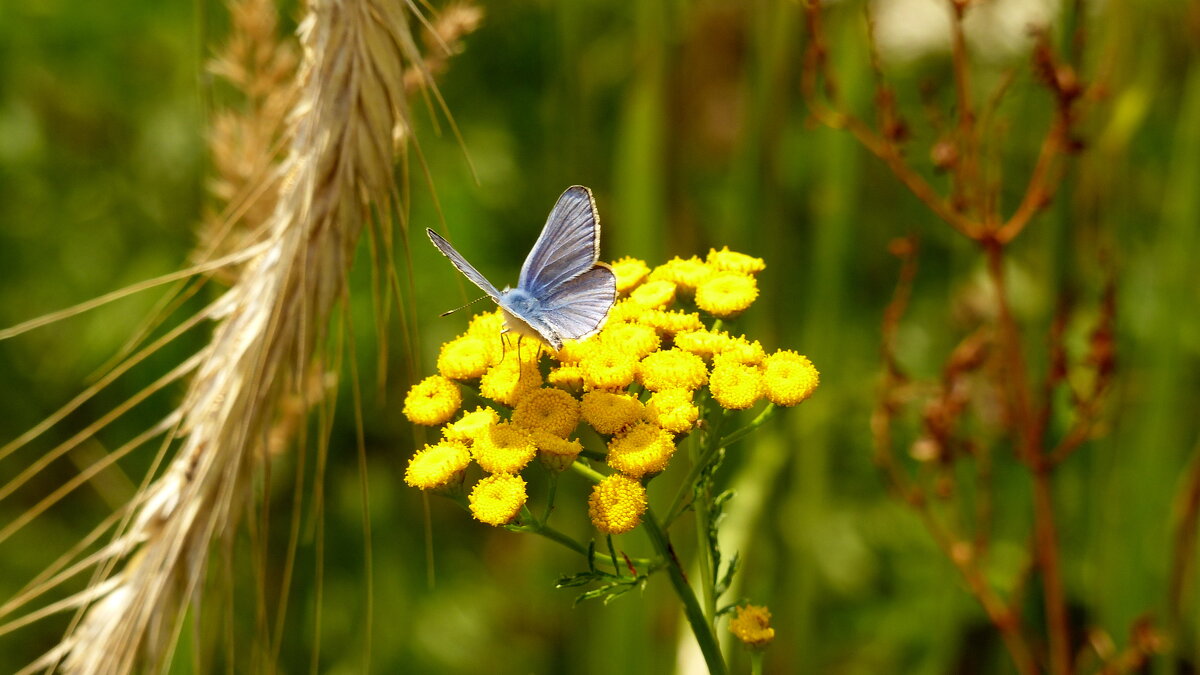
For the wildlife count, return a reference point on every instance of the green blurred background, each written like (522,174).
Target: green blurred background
(686,120)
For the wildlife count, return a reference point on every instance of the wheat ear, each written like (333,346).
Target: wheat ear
(269,325)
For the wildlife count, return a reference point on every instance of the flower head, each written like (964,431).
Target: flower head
(625,309)
(471,425)
(789,377)
(672,369)
(572,351)
(741,350)
(438,466)
(629,272)
(735,386)
(607,367)
(617,504)
(670,322)
(726,294)
(555,453)
(569,377)
(752,626)
(552,410)
(503,448)
(431,401)
(687,274)
(654,294)
(609,413)
(464,358)
(703,342)
(643,448)
(635,339)
(673,410)
(496,500)
(508,380)
(486,325)
(732,261)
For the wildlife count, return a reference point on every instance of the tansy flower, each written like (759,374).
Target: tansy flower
(752,626)
(607,367)
(670,322)
(506,381)
(726,294)
(555,453)
(644,448)
(463,358)
(471,425)
(741,350)
(503,448)
(629,272)
(573,350)
(736,386)
(617,504)
(441,465)
(673,410)
(635,339)
(654,294)
(567,377)
(672,369)
(732,261)
(789,377)
(486,325)
(552,410)
(512,346)
(625,310)
(703,342)
(496,500)
(609,413)
(431,401)
(687,274)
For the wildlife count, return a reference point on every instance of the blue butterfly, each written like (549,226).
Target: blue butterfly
(562,293)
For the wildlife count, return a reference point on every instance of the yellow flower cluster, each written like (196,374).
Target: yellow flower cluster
(641,383)
(752,626)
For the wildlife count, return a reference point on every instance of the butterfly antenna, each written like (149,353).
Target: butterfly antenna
(448,313)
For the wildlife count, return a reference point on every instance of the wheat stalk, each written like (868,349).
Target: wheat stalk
(270,324)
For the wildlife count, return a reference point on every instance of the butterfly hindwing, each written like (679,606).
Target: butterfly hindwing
(568,246)
(577,308)
(463,266)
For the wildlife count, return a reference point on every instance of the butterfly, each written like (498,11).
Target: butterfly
(563,293)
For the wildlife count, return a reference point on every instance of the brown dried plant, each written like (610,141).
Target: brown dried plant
(302,167)
(991,363)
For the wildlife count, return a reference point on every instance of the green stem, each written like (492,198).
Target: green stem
(701,628)
(550,494)
(756,662)
(587,471)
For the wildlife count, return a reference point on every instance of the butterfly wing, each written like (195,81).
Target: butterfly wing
(577,308)
(463,266)
(568,246)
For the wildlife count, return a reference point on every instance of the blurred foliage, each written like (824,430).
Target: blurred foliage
(686,121)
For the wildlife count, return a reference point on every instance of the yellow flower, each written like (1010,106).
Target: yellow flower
(617,504)
(629,272)
(741,350)
(673,410)
(441,465)
(512,346)
(431,401)
(654,294)
(609,413)
(607,367)
(471,425)
(635,339)
(506,381)
(573,350)
(789,377)
(672,369)
(670,322)
(555,453)
(625,310)
(736,386)
(752,626)
(567,377)
(486,325)
(503,448)
(703,342)
(552,410)
(644,448)
(727,294)
(496,500)
(463,358)
(686,274)
(732,261)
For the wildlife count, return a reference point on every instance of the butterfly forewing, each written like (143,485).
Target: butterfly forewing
(463,266)
(568,246)
(577,308)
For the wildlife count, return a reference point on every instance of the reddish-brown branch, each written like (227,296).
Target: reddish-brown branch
(1184,547)
(966,174)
